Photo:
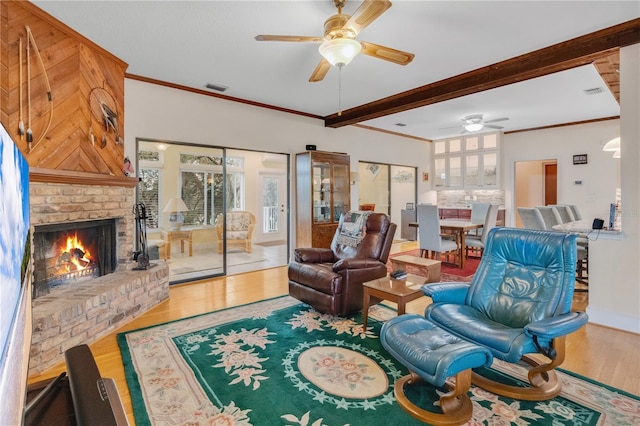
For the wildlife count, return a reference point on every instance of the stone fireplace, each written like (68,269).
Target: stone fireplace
(88,219)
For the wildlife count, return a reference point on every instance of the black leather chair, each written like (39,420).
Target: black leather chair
(330,279)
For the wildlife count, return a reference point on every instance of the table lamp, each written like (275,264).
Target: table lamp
(174,207)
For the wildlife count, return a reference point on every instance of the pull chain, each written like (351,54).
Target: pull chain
(339,90)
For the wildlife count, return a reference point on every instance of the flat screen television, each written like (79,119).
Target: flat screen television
(15,280)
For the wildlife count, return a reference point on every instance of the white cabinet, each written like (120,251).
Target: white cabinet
(466,162)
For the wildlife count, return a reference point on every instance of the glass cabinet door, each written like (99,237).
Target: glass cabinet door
(340,190)
(490,169)
(321,192)
(440,172)
(471,170)
(455,171)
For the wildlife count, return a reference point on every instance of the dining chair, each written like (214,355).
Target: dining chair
(478,215)
(576,211)
(564,211)
(476,243)
(432,243)
(550,216)
(531,218)
(582,265)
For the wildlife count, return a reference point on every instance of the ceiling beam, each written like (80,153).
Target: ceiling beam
(608,67)
(558,57)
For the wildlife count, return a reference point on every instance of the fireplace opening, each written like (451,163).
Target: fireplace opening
(73,252)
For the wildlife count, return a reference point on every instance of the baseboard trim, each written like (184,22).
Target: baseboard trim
(614,320)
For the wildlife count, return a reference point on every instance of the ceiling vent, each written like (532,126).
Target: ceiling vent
(217,87)
(594,91)
(400,124)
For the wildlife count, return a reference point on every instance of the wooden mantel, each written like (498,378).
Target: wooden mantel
(37,174)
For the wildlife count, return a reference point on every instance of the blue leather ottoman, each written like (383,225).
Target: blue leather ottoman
(433,355)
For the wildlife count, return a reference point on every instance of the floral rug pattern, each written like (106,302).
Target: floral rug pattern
(279,362)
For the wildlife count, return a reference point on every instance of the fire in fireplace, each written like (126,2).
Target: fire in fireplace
(73,252)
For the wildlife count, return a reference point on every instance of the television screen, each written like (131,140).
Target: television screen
(15,280)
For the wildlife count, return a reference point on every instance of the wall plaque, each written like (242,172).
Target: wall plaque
(580,159)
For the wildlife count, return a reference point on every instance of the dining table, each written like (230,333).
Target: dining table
(459,228)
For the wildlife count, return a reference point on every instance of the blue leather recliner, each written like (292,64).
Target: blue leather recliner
(518,304)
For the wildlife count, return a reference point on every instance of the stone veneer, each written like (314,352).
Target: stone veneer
(456,198)
(73,314)
(60,203)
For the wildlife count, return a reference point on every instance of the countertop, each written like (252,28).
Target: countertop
(464,208)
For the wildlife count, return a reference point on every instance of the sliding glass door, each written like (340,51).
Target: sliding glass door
(213,211)
(390,188)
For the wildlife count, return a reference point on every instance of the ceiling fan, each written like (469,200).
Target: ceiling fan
(339,45)
(475,122)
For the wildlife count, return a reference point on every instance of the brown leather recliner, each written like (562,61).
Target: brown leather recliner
(331,280)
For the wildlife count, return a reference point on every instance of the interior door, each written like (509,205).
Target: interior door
(531,183)
(273,217)
(550,184)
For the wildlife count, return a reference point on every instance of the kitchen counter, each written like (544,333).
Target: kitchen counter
(465,213)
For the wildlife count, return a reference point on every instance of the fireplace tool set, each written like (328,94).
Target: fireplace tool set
(142,255)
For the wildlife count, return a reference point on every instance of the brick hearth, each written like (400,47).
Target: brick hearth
(73,313)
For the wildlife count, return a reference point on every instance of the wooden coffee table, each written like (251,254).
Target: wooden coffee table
(387,288)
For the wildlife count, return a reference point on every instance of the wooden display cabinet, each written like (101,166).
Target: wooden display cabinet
(323,194)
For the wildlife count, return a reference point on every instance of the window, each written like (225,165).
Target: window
(202,187)
(467,162)
(149,156)
(270,205)
(148,193)
(150,173)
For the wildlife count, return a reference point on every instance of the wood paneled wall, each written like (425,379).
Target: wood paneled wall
(74,67)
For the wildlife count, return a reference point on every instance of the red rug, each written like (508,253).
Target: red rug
(448,272)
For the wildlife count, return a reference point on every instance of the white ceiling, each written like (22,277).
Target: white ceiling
(192,43)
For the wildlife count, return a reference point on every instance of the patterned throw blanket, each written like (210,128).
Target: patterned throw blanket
(354,228)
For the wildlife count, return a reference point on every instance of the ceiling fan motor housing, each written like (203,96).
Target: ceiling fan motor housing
(473,119)
(334,27)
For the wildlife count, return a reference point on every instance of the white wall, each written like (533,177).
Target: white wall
(157,112)
(598,176)
(614,299)
(614,266)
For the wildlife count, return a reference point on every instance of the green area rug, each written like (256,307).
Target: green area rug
(279,362)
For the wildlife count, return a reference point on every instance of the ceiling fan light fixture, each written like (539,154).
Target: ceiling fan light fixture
(473,127)
(340,51)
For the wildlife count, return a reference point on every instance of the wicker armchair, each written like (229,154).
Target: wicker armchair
(239,229)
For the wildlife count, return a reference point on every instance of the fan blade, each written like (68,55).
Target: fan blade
(321,70)
(491,126)
(312,39)
(368,12)
(386,53)
(447,128)
(495,120)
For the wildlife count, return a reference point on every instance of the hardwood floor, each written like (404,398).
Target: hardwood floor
(607,355)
